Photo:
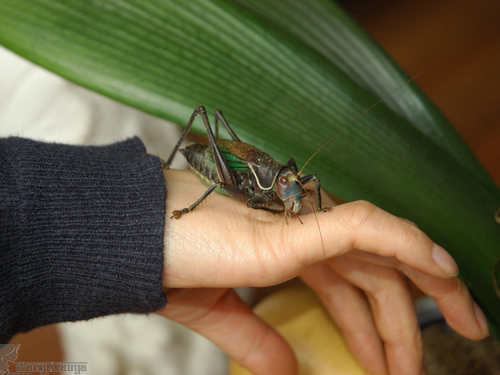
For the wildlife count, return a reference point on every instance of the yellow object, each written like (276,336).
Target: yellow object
(298,315)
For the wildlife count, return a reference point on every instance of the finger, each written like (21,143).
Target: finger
(352,314)
(393,311)
(223,318)
(455,302)
(362,226)
(451,295)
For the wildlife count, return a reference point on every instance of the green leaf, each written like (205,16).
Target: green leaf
(288,75)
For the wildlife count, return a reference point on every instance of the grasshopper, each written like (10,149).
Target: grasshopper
(244,172)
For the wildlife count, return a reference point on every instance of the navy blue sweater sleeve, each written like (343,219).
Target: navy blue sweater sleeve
(81,232)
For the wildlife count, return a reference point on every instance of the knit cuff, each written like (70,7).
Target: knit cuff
(81,232)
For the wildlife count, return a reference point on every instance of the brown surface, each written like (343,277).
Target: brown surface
(38,345)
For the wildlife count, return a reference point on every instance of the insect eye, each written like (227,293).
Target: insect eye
(283,180)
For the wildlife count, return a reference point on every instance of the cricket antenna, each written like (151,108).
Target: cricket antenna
(356,119)
(315,217)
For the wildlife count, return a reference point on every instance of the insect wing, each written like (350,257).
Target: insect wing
(236,163)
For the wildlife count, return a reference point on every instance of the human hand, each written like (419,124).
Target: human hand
(359,274)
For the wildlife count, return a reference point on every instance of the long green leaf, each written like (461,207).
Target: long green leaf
(287,75)
(325,28)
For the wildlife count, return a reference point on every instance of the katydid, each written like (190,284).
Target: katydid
(248,174)
(244,172)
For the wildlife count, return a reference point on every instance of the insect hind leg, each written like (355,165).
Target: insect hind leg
(198,111)
(220,117)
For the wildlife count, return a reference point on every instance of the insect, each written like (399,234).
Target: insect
(244,172)
(248,174)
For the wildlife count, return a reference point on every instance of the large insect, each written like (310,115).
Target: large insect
(248,174)
(244,172)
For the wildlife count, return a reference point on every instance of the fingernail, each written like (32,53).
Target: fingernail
(444,261)
(481,319)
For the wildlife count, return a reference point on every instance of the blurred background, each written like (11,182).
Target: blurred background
(456,44)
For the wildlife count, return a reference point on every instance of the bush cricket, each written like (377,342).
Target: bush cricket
(244,172)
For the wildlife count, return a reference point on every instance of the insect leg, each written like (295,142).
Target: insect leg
(305,179)
(166,164)
(220,117)
(178,213)
(223,170)
(262,203)
(229,189)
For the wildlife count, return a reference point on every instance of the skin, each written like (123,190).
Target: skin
(360,272)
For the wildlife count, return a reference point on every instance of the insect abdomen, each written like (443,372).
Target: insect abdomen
(200,159)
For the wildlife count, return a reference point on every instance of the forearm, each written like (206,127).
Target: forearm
(81,232)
